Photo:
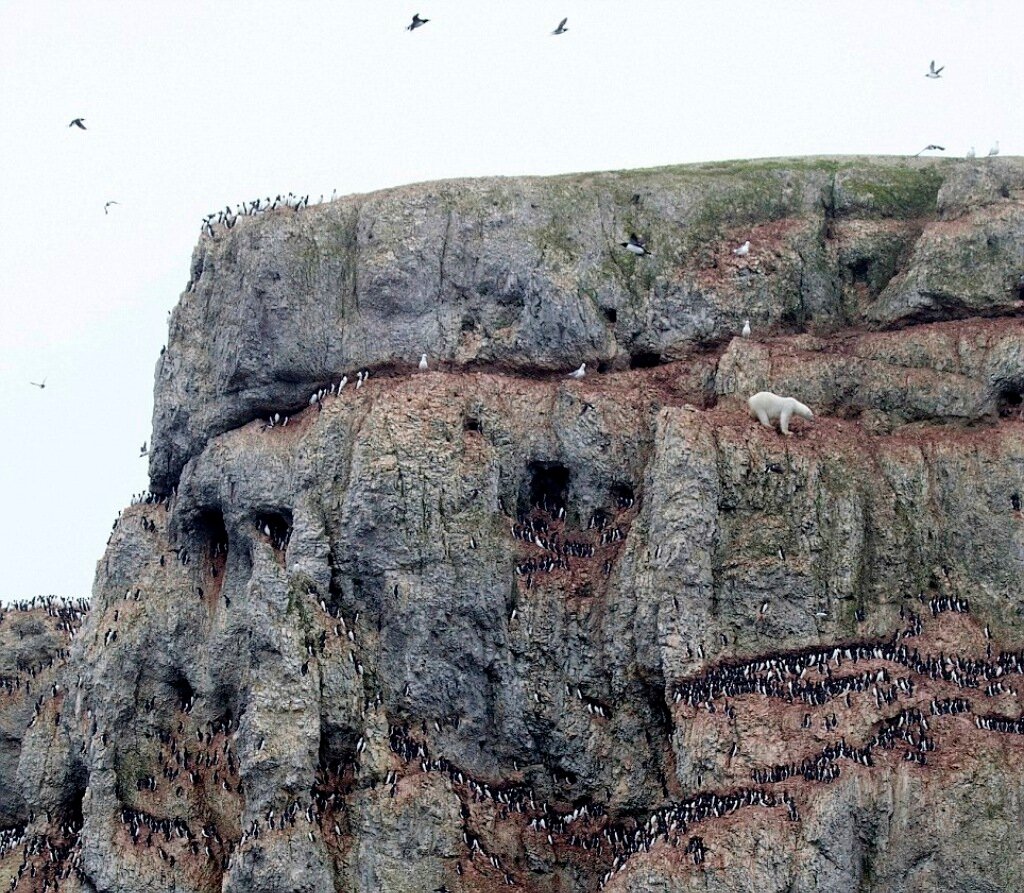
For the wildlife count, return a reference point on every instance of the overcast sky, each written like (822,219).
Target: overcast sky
(193,105)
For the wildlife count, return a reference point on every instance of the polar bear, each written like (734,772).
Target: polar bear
(766,406)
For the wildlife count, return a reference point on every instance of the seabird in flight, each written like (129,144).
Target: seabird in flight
(79,123)
(39,385)
(107,205)
(416,22)
(635,245)
(932,147)
(561,29)
(934,72)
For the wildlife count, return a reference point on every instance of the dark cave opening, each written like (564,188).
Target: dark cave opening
(276,526)
(184,694)
(623,495)
(860,270)
(471,423)
(644,359)
(548,486)
(212,534)
(1009,401)
(611,314)
(70,812)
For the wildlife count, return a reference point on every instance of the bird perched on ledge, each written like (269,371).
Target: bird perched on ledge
(423,363)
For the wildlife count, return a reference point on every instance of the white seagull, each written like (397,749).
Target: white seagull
(423,363)
(743,250)
(994,150)
(579,373)
(934,72)
(970,152)
(746,328)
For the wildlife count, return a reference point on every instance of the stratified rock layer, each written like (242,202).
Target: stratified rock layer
(487,625)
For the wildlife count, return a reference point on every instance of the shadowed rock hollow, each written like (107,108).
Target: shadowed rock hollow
(488,626)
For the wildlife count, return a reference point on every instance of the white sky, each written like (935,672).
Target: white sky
(194,105)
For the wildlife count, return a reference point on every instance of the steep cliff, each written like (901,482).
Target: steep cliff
(487,625)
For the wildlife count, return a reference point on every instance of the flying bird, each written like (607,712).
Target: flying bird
(561,29)
(994,150)
(934,72)
(932,147)
(416,22)
(143,450)
(743,250)
(79,123)
(39,385)
(636,246)
(579,373)
(107,206)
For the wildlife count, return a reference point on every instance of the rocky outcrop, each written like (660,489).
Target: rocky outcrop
(488,625)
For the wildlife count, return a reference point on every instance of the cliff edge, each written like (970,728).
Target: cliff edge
(487,626)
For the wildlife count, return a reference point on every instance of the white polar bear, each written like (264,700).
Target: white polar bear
(766,406)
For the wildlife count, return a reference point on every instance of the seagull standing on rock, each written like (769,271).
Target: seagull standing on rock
(994,150)
(423,363)
(579,373)
(746,328)
(971,152)
(743,250)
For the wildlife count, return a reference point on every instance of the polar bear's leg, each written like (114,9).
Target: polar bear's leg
(784,419)
(762,417)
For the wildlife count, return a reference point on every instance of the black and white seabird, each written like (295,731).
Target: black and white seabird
(107,206)
(636,246)
(416,22)
(932,147)
(743,249)
(934,72)
(39,384)
(79,123)
(579,373)
(561,29)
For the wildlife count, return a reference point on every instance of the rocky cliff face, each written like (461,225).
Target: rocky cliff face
(488,626)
